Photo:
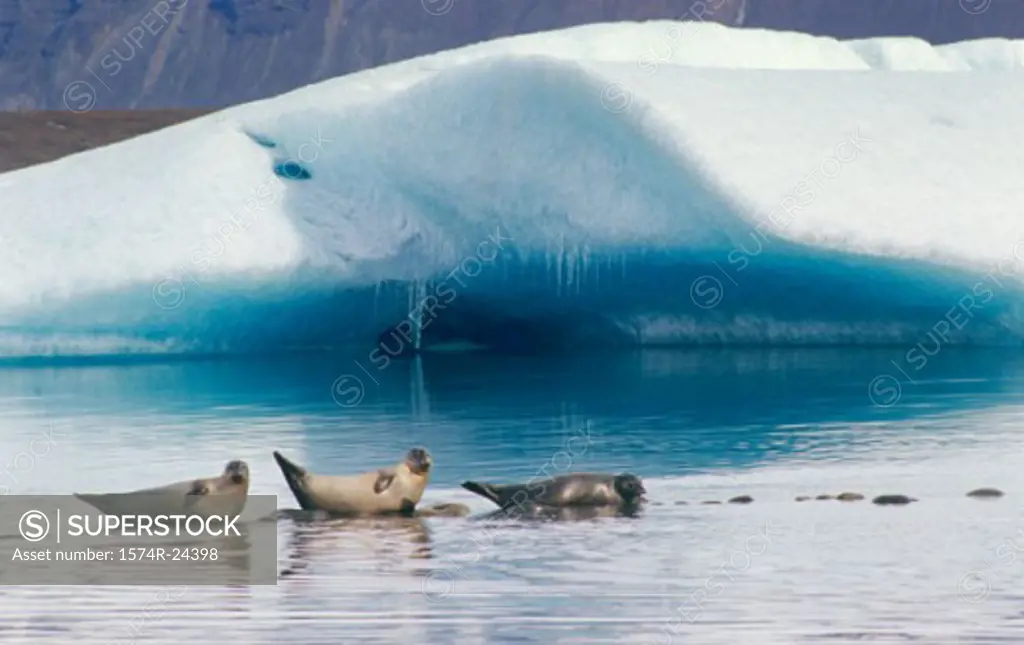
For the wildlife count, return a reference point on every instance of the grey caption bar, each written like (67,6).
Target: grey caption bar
(61,540)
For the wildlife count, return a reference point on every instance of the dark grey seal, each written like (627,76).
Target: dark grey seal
(802,498)
(824,497)
(579,489)
(887,500)
(985,493)
(742,499)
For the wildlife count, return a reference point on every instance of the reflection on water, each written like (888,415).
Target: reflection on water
(701,425)
(316,542)
(568,514)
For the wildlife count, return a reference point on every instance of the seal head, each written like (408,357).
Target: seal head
(419,461)
(237,471)
(630,488)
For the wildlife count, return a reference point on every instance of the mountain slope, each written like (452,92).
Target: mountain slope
(85,54)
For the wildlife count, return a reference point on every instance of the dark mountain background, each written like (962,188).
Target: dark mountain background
(208,53)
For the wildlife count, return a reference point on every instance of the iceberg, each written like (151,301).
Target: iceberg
(658,183)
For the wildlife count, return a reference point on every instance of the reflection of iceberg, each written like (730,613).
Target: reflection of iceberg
(634,203)
(781,403)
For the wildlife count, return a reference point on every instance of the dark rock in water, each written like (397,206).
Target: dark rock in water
(987,493)
(802,498)
(824,497)
(849,497)
(742,499)
(443,510)
(681,503)
(886,500)
(711,502)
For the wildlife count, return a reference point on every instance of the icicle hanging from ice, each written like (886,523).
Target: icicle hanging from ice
(417,293)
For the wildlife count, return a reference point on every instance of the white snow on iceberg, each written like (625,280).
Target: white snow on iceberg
(654,183)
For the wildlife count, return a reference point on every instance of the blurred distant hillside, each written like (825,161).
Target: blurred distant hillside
(203,53)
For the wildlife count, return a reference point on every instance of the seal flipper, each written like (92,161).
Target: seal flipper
(195,493)
(295,475)
(385,477)
(488,491)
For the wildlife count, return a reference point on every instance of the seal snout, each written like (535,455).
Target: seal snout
(237,471)
(419,460)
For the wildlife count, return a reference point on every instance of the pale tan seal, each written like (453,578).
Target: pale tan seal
(578,489)
(385,491)
(222,495)
(849,497)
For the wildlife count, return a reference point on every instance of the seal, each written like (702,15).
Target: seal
(824,497)
(578,489)
(385,491)
(849,497)
(985,493)
(742,499)
(225,494)
(802,498)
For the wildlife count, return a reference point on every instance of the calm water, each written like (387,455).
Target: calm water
(696,425)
